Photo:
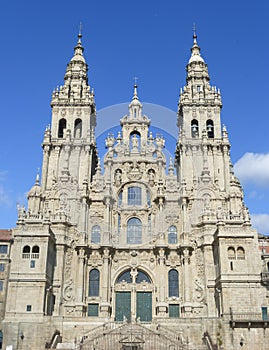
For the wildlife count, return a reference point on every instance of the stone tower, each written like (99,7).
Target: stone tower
(141,252)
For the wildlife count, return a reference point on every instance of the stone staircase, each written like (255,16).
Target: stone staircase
(135,336)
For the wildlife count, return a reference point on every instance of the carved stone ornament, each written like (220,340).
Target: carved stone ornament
(134,172)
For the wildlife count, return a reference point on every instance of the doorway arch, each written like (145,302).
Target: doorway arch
(133,296)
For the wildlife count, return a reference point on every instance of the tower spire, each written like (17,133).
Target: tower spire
(195,50)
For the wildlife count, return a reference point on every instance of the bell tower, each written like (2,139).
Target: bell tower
(69,145)
(202,143)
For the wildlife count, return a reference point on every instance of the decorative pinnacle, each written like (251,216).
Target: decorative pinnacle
(79,48)
(135,97)
(37,177)
(194,34)
(80,30)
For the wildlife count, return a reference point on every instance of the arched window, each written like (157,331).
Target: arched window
(268,266)
(125,277)
(134,231)
(35,252)
(210,128)
(172,235)
(26,252)
(94,281)
(142,277)
(231,253)
(194,128)
(78,128)
(96,234)
(35,249)
(173,283)
(240,253)
(134,195)
(61,128)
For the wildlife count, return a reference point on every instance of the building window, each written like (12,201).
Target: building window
(134,196)
(134,231)
(1,286)
(231,253)
(210,128)
(32,264)
(28,308)
(26,252)
(78,128)
(148,199)
(142,277)
(240,253)
(2,267)
(61,128)
(93,310)
(125,277)
(172,235)
(96,234)
(35,252)
(173,283)
(173,310)
(94,281)
(3,249)
(119,223)
(194,128)
(264,313)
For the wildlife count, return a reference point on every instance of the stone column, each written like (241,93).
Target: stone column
(162,306)
(57,282)
(80,283)
(187,276)
(187,282)
(105,304)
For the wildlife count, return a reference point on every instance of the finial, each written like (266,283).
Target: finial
(80,31)
(194,34)
(37,177)
(135,88)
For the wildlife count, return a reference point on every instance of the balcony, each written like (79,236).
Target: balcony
(249,320)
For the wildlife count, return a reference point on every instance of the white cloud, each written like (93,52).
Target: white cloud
(261,222)
(253,168)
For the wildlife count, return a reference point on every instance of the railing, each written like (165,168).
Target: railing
(248,320)
(209,343)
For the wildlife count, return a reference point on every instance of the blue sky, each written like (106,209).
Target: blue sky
(122,39)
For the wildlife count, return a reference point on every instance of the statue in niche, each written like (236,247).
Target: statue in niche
(151,177)
(118,177)
(134,142)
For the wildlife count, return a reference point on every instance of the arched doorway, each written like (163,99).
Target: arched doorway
(133,296)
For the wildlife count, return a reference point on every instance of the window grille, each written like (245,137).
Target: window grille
(134,196)
(134,231)
(173,283)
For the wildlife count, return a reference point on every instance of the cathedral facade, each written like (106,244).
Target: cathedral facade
(146,253)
